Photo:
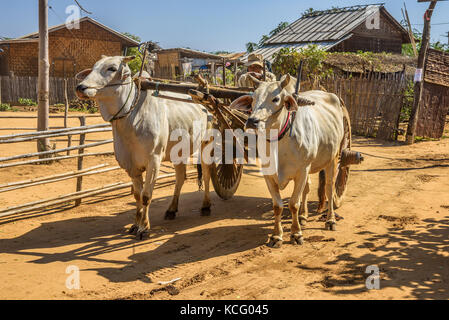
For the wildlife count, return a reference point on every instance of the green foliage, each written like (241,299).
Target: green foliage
(229,78)
(287,61)
(5,107)
(252,46)
(409,97)
(407,49)
(27,102)
(135,64)
(83,106)
(308,12)
(220,52)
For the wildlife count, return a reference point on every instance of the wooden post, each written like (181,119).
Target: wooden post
(224,72)
(412,37)
(44,76)
(213,73)
(0,89)
(79,180)
(235,74)
(264,70)
(419,85)
(66,112)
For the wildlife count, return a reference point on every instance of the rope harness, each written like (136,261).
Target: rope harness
(287,127)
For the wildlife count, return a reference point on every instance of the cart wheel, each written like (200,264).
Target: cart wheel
(226,179)
(342,172)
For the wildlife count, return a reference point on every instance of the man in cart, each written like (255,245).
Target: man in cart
(255,68)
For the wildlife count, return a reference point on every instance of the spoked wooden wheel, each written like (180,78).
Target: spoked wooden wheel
(226,177)
(342,171)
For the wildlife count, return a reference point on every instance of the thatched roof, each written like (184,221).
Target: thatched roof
(378,62)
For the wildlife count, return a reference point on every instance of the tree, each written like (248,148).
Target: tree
(252,46)
(308,12)
(407,48)
(135,64)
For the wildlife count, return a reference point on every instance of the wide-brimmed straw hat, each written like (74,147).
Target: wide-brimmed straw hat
(255,59)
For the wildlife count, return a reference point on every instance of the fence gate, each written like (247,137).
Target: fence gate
(435,103)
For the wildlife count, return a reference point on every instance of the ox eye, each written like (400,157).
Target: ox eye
(276,100)
(112,69)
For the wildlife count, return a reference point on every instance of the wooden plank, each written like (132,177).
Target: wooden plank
(29,162)
(37,154)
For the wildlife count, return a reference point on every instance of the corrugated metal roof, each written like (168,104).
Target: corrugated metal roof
(328,25)
(269,50)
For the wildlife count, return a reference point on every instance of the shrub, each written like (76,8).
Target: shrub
(409,97)
(287,61)
(27,102)
(5,107)
(84,106)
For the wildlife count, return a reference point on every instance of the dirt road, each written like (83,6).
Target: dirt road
(396,217)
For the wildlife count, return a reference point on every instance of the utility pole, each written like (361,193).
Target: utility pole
(410,31)
(419,77)
(44,76)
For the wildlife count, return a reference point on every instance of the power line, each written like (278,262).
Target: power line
(81,7)
(433,24)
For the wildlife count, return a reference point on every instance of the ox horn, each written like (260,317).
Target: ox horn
(285,81)
(83,74)
(128,59)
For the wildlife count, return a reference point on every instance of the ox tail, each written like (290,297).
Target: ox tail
(199,168)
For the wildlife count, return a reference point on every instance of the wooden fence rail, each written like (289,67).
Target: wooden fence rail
(81,172)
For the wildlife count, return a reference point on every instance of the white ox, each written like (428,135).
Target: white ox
(311,143)
(142,134)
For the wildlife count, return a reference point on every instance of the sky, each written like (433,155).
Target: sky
(206,25)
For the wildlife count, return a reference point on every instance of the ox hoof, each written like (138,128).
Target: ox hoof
(303,221)
(143,235)
(297,238)
(331,225)
(275,242)
(205,212)
(170,215)
(133,229)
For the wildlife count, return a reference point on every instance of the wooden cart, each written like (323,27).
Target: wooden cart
(226,177)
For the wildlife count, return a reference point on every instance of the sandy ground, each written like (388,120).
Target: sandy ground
(396,217)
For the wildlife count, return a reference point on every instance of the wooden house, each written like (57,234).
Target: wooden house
(70,50)
(350,29)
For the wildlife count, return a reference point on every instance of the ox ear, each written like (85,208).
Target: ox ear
(285,81)
(290,103)
(128,59)
(243,103)
(82,75)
